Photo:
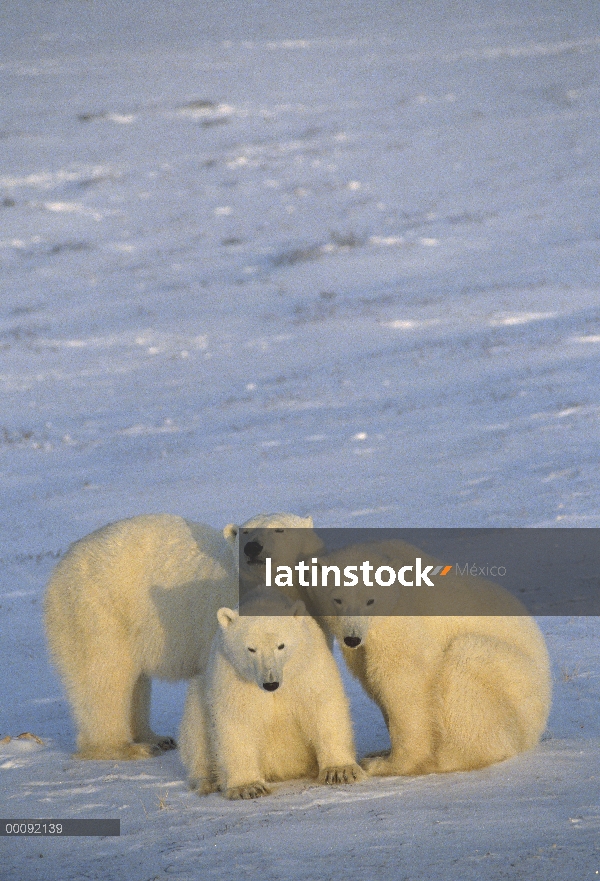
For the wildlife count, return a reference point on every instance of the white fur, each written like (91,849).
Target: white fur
(236,736)
(457,691)
(285,539)
(134,600)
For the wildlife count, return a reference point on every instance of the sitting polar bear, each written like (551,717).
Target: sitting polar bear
(271,705)
(457,692)
(136,599)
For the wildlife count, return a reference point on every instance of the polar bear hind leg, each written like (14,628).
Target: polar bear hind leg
(491,704)
(102,697)
(194,741)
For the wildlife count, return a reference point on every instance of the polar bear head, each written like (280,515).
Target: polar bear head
(348,609)
(352,590)
(345,610)
(284,538)
(260,642)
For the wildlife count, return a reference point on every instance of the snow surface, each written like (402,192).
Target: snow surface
(335,258)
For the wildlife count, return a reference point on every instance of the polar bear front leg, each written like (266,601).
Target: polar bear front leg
(194,741)
(330,729)
(140,716)
(238,745)
(406,703)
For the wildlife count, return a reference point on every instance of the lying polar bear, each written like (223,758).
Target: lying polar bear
(134,600)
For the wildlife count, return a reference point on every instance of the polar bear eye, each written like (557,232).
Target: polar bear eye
(336,600)
(370,602)
(282,646)
(279,530)
(251,650)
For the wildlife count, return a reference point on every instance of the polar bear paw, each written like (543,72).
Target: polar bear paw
(342,774)
(248,790)
(165,743)
(386,766)
(204,785)
(119,752)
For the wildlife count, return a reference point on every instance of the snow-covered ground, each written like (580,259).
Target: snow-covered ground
(333,258)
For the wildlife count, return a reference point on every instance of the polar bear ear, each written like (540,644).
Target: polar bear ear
(309,522)
(226,617)
(230,532)
(298,609)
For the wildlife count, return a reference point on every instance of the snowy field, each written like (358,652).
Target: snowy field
(333,258)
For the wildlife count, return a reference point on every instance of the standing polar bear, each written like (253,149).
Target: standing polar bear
(457,692)
(134,600)
(271,705)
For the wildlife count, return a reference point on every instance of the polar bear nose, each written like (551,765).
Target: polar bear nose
(270,686)
(352,641)
(252,549)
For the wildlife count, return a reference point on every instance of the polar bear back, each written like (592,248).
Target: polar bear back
(158,579)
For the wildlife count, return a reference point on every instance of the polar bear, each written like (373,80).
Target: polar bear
(457,692)
(271,705)
(282,538)
(134,600)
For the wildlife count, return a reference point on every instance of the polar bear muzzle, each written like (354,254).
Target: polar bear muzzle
(270,686)
(352,642)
